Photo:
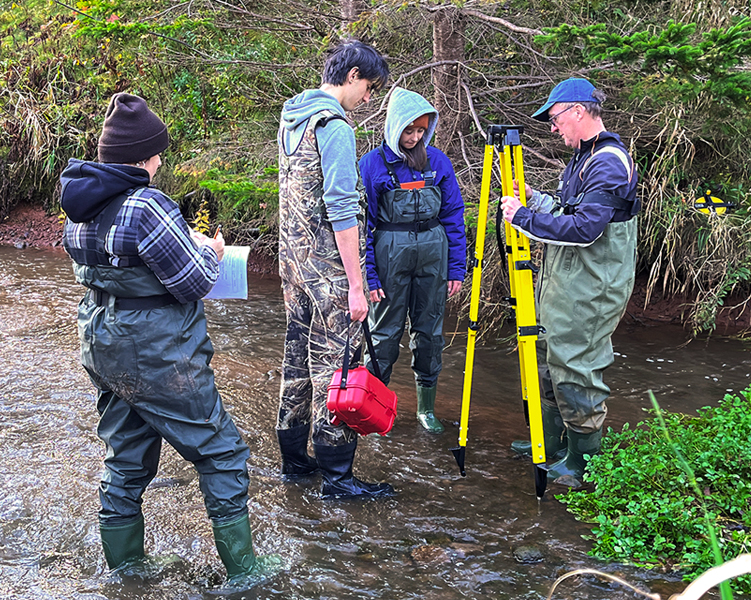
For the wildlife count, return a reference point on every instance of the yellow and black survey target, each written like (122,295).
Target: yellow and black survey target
(712,204)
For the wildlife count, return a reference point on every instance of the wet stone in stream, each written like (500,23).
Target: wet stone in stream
(430,555)
(528,555)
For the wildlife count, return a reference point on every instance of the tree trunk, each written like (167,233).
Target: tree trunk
(351,9)
(449,98)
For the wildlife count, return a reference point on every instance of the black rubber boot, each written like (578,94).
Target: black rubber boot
(338,481)
(234,542)
(293,444)
(123,544)
(554,434)
(574,463)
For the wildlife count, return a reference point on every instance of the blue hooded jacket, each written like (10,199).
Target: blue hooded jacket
(404,107)
(88,187)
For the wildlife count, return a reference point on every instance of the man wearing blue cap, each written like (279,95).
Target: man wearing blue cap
(587,275)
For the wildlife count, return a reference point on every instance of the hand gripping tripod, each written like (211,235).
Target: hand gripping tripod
(505,139)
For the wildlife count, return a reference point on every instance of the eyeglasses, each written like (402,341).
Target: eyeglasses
(554,118)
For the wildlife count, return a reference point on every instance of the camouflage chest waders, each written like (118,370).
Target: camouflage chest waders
(315,290)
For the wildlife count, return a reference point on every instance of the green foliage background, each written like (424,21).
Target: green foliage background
(676,74)
(644,507)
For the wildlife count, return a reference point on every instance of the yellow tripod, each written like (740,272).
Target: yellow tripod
(506,140)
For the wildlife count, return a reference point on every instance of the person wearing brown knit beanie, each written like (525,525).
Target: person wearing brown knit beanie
(145,345)
(132,133)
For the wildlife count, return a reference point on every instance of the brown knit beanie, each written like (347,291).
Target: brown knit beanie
(131,132)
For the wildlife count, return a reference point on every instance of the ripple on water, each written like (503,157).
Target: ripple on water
(443,537)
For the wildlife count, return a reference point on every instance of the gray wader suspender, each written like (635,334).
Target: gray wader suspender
(416,226)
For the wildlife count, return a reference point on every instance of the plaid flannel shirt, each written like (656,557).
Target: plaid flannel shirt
(150,230)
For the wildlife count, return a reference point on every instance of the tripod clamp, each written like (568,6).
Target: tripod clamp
(504,135)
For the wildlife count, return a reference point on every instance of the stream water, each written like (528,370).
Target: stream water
(441,537)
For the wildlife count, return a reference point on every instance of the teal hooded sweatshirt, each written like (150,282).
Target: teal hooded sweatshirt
(336,145)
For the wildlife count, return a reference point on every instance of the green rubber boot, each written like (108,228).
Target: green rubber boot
(234,542)
(554,435)
(574,463)
(426,407)
(123,544)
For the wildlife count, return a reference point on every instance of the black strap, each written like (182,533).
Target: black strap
(326,120)
(503,248)
(427,172)
(322,122)
(602,198)
(416,226)
(371,350)
(101,298)
(392,173)
(106,220)
(631,205)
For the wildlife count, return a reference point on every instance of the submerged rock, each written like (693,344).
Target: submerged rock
(528,555)
(464,549)
(569,480)
(430,555)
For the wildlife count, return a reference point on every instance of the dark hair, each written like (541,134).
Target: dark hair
(417,157)
(353,53)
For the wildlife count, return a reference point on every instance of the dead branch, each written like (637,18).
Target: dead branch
(605,576)
(401,78)
(471,106)
(507,24)
(559,164)
(247,13)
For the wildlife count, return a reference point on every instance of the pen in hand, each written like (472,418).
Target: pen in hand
(218,231)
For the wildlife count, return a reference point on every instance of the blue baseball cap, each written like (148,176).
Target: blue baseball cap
(571,90)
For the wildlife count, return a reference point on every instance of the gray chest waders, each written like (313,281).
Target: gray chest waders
(411,256)
(412,206)
(505,139)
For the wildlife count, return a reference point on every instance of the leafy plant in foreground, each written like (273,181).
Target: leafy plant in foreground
(646,510)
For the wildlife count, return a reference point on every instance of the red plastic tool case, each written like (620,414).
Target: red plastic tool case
(366,405)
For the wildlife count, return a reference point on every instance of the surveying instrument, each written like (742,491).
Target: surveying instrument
(505,140)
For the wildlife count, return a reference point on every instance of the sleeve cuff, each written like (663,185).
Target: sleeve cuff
(344,223)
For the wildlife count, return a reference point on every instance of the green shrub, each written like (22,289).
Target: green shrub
(644,506)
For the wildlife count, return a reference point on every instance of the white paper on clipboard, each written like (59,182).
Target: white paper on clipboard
(233,275)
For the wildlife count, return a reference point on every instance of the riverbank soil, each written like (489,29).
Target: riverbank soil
(31,226)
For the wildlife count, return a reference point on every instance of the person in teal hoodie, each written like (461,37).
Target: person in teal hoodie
(321,256)
(417,248)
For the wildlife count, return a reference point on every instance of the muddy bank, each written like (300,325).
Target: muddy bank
(31,226)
